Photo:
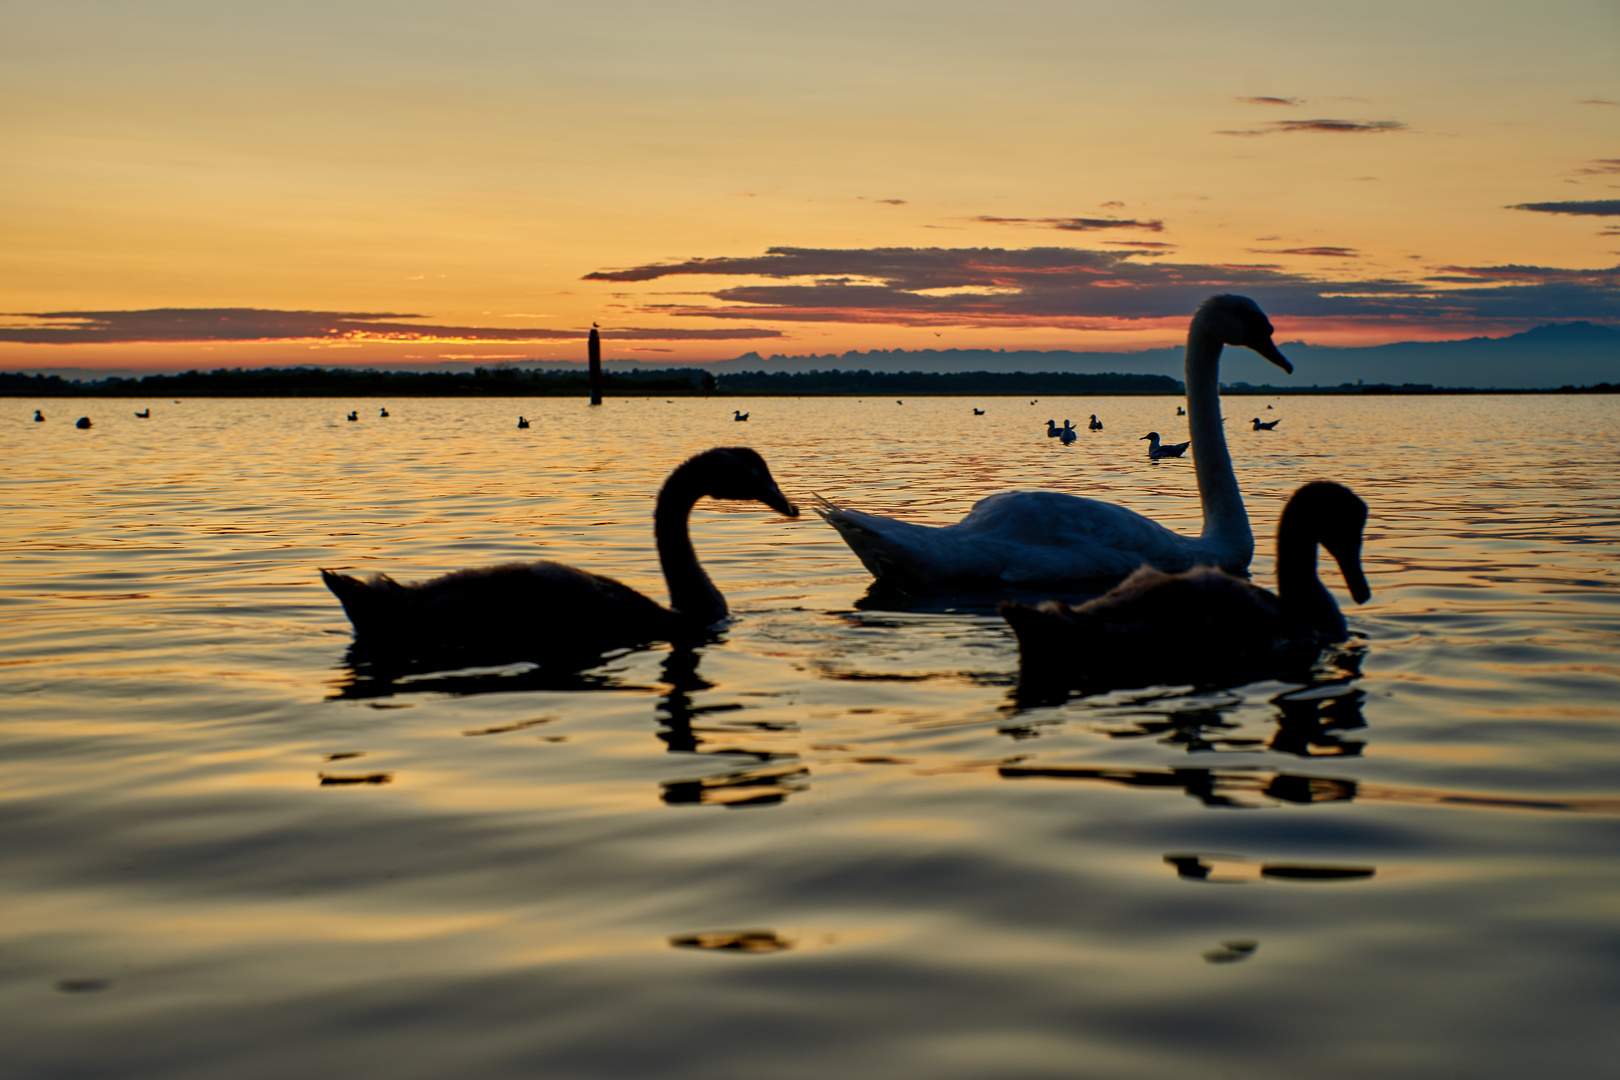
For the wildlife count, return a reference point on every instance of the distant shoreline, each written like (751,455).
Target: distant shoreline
(685,383)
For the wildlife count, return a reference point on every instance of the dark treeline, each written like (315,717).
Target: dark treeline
(951,383)
(666,382)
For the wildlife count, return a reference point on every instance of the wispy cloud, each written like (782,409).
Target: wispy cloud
(1149,244)
(1582,207)
(1600,167)
(258,324)
(1270,100)
(1074,224)
(1325,252)
(1597,101)
(1283,127)
(1088,289)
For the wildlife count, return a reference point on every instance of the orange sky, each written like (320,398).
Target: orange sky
(418,184)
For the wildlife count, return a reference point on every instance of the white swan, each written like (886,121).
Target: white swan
(1157,450)
(1204,625)
(1044,537)
(550,608)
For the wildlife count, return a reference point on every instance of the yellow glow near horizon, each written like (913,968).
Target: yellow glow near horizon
(467,167)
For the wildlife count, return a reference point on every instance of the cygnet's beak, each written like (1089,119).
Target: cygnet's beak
(778,502)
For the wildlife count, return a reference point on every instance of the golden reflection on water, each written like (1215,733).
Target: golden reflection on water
(852,796)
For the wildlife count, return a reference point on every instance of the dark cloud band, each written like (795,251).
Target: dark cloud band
(257,324)
(1586,208)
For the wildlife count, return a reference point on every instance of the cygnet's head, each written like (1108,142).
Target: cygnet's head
(738,472)
(1338,517)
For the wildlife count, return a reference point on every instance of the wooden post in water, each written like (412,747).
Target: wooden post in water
(596,366)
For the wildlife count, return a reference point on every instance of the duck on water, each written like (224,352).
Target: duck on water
(548,609)
(1023,538)
(1205,626)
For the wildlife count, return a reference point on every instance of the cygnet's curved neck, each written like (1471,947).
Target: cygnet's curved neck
(1226,523)
(690,591)
(1304,598)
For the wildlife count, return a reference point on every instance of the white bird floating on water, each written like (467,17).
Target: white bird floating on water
(1266,426)
(1045,537)
(1203,625)
(1096,424)
(1157,450)
(541,608)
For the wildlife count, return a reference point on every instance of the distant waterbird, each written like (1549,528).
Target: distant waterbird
(1180,411)
(39,417)
(1096,424)
(354,415)
(978,412)
(546,609)
(1068,434)
(1267,425)
(738,415)
(1025,538)
(1052,430)
(144,413)
(82,423)
(523,422)
(1157,450)
(382,412)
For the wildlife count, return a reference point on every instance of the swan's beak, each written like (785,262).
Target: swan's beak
(1266,349)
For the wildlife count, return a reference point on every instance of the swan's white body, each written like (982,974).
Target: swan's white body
(1023,538)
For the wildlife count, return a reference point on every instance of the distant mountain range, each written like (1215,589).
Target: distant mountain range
(1558,354)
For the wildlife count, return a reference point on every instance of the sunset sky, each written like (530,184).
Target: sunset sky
(214,183)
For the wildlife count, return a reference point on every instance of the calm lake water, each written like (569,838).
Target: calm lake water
(832,842)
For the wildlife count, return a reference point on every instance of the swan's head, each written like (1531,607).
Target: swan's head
(1338,517)
(737,472)
(1237,320)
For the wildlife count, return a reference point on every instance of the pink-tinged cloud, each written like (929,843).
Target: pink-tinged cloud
(1269,100)
(257,324)
(1585,208)
(1283,127)
(1325,252)
(1074,224)
(1600,167)
(1076,288)
(1151,245)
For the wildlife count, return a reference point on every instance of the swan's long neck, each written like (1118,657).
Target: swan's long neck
(690,591)
(1226,523)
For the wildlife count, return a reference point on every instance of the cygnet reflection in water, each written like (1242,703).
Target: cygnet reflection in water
(556,613)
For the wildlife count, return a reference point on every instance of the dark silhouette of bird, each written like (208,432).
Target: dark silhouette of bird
(978,412)
(1267,425)
(552,611)
(1204,625)
(523,422)
(82,422)
(738,415)
(1096,424)
(1180,411)
(38,416)
(354,415)
(144,413)
(382,412)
